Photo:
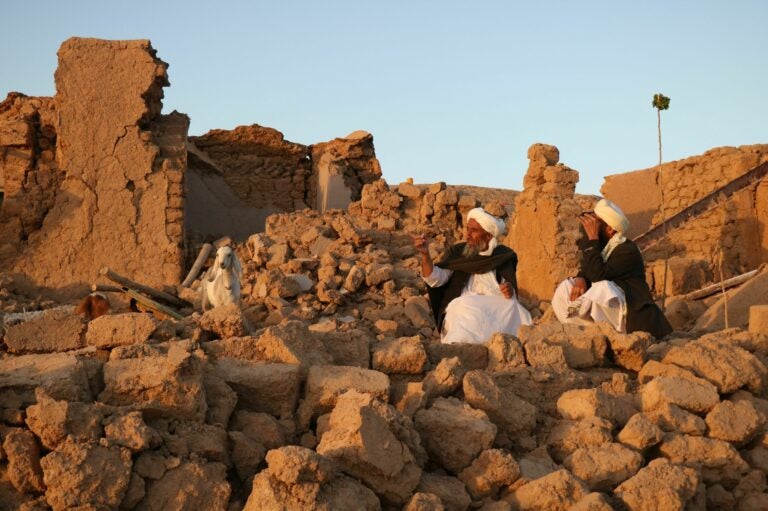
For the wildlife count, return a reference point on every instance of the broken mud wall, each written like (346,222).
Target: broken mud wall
(239,177)
(341,168)
(213,208)
(120,164)
(263,169)
(545,226)
(96,176)
(29,175)
(736,225)
(542,224)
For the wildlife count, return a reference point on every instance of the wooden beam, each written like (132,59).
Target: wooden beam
(155,293)
(105,288)
(656,233)
(151,304)
(202,257)
(716,288)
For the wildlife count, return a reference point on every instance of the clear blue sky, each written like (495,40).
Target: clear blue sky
(452,91)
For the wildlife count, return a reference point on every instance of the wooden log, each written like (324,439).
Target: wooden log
(105,288)
(202,257)
(160,295)
(715,288)
(151,304)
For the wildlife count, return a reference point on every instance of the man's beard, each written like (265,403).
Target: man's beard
(471,250)
(603,237)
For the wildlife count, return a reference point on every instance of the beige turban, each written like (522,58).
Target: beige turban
(612,215)
(491,224)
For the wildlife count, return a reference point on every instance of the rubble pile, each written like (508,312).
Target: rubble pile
(329,389)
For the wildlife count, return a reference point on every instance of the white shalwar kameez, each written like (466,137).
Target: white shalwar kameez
(480,311)
(603,301)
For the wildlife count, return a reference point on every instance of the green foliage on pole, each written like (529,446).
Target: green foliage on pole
(660,101)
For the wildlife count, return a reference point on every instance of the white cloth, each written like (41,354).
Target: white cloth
(491,224)
(603,301)
(480,311)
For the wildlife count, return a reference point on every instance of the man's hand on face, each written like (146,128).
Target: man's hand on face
(421,244)
(591,225)
(578,289)
(507,290)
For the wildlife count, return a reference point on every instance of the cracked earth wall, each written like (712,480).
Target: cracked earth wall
(545,227)
(96,176)
(738,226)
(29,175)
(121,165)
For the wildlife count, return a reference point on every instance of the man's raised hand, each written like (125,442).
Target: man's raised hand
(421,244)
(591,225)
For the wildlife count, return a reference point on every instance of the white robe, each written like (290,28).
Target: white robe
(480,311)
(603,301)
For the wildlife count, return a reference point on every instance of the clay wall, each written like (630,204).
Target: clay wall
(114,194)
(239,177)
(341,168)
(96,176)
(736,226)
(545,227)
(262,168)
(639,195)
(542,224)
(29,175)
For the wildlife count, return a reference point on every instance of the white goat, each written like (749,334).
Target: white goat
(221,283)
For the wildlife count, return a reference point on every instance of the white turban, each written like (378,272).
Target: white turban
(491,224)
(612,215)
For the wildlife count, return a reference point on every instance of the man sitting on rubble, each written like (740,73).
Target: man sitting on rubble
(611,284)
(473,289)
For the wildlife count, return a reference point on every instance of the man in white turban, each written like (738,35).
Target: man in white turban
(611,284)
(473,289)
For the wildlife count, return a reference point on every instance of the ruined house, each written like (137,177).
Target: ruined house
(97,176)
(716,207)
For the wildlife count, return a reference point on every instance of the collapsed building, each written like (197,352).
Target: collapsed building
(98,176)
(328,388)
(99,170)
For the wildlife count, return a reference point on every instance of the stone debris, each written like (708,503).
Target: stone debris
(372,442)
(188,485)
(454,433)
(489,472)
(605,466)
(100,480)
(688,395)
(328,387)
(726,366)
(340,396)
(299,478)
(168,384)
(660,485)
(23,454)
(640,433)
(53,330)
(558,490)
(567,436)
(119,329)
